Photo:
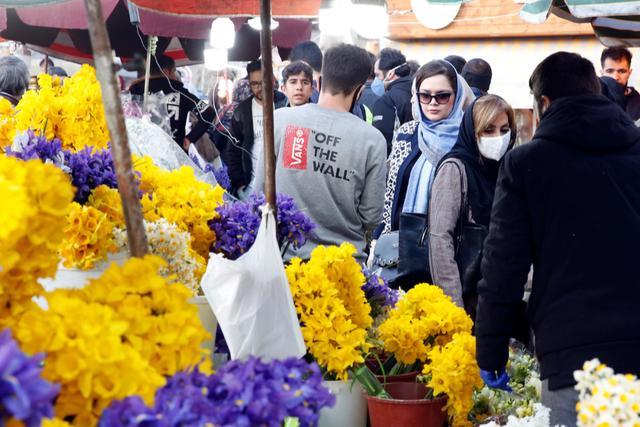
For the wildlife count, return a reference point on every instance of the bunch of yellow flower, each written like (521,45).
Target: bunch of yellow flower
(7,124)
(107,200)
(333,310)
(181,199)
(160,323)
(452,370)
(86,355)
(72,112)
(423,318)
(35,200)
(88,237)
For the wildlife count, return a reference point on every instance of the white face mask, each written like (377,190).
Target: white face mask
(494,147)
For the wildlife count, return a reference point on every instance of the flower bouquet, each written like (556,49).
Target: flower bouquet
(236,225)
(494,407)
(606,398)
(241,393)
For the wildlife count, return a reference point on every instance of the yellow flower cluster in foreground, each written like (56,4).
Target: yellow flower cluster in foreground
(35,201)
(181,199)
(7,123)
(88,237)
(333,310)
(117,337)
(107,200)
(425,317)
(72,112)
(453,371)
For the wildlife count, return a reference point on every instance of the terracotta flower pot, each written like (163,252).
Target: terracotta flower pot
(409,377)
(407,408)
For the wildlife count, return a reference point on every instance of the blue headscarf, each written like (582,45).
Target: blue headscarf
(435,140)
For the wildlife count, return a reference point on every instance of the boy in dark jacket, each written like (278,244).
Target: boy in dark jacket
(568,203)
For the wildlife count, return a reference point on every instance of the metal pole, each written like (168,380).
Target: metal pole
(115,121)
(267,104)
(147,75)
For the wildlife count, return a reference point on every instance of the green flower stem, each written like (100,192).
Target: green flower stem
(370,383)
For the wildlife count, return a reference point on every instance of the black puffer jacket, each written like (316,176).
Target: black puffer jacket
(568,203)
(396,102)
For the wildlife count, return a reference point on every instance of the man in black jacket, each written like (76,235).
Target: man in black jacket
(616,63)
(568,203)
(393,109)
(179,101)
(245,147)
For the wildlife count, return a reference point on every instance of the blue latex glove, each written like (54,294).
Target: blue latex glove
(493,379)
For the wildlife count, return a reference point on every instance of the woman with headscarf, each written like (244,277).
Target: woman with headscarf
(439,99)
(464,184)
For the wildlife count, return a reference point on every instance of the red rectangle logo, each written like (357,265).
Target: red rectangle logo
(296,141)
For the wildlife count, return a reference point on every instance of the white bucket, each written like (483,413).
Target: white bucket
(73,278)
(350,409)
(208,320)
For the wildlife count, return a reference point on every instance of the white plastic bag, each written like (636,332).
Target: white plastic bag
(252,301)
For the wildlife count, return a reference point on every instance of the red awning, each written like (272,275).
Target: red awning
(279,8)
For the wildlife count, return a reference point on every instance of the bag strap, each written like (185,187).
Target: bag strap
(464,205)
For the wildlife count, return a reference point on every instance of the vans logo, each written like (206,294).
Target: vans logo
(296,141)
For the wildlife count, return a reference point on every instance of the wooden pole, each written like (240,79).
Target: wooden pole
(115,121)
(267,105)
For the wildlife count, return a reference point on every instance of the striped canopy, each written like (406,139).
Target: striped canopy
(28,3)
(615,22)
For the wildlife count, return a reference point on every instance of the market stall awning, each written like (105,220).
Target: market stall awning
(61,30)
(615,22)
(297,8)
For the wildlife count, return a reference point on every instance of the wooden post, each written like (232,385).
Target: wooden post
(267,105)
(115,120)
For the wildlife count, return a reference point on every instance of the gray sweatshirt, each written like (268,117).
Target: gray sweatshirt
(334,165)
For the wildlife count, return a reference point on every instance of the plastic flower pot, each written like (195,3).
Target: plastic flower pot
(350,409)
(407,407)
(73,278)
(208,320)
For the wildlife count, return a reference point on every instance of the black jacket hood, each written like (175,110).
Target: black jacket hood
(588,122)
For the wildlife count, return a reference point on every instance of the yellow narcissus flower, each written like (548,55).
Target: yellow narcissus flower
(107,200)
(86,355)
(88,237)
(423,318)
(334,313)
(35,201)
(452,371)
(7,123)
(181,199)
(161,324)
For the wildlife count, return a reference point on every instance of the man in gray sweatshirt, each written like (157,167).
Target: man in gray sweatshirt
(331,162)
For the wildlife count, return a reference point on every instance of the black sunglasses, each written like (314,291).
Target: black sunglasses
(441,98)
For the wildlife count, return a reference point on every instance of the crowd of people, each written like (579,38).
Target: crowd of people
(416,165)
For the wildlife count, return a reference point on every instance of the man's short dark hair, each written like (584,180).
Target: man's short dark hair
(14,76)
(390,58)
(457,61)
(296,68)
(564,74)
(254,66)
(345,68)
(162,63)
(373,59)
(617,53)
(477,72)
(48,60)
(414,66)
(308,52)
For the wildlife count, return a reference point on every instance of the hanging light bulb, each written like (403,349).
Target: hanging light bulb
(334,17)
(256,23)
(223,33)
(216,59)
(370,18)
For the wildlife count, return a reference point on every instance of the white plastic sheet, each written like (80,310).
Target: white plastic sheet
(252,300)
